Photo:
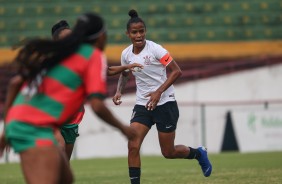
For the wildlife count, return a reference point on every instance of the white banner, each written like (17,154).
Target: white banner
(258,131)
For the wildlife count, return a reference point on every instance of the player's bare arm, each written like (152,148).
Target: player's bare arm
(113,70)
(123,78)
(105,114)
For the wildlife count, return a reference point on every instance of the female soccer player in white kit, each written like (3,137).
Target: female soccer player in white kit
(155,99)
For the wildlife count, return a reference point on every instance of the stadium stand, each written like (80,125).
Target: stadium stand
(180,21)
(195,31)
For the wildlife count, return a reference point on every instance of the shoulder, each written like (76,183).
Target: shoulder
(87,50)
(156,49)
(127,50)
(85,47)
(126,53)
(153,45)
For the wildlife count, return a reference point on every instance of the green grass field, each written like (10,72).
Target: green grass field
(257,168)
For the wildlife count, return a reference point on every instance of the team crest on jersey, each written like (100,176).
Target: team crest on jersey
(147,60)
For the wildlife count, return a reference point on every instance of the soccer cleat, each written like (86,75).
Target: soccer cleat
(204,162)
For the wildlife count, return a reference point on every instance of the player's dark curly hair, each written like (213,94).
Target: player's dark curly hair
(39,55)
(134,18)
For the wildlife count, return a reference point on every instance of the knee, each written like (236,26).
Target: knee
(133,147)
(168,154)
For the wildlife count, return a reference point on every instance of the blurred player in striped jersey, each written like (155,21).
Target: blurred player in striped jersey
(69,132)
(59,76)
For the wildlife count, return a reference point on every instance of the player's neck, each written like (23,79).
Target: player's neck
(137,50)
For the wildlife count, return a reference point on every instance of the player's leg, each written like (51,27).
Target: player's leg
(167,117)
(69,133)
(45,165)
(169,150)
(42,160)
(66,173)
(134,145)
(68,150)
(141,123)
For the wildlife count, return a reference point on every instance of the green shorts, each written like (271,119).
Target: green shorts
(22,136)
(69,132)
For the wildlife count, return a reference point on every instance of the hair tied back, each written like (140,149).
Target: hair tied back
(133,13)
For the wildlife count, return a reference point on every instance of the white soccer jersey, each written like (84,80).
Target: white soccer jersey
(154,58)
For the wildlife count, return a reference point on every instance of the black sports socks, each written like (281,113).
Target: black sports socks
(134,174)
(194,154)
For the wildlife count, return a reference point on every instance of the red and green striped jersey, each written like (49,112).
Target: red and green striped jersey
(63,89)
(77,118)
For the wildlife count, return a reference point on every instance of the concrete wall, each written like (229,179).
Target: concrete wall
(219,94)
(237,91)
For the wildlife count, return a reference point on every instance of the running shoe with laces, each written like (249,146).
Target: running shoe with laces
(204,162)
